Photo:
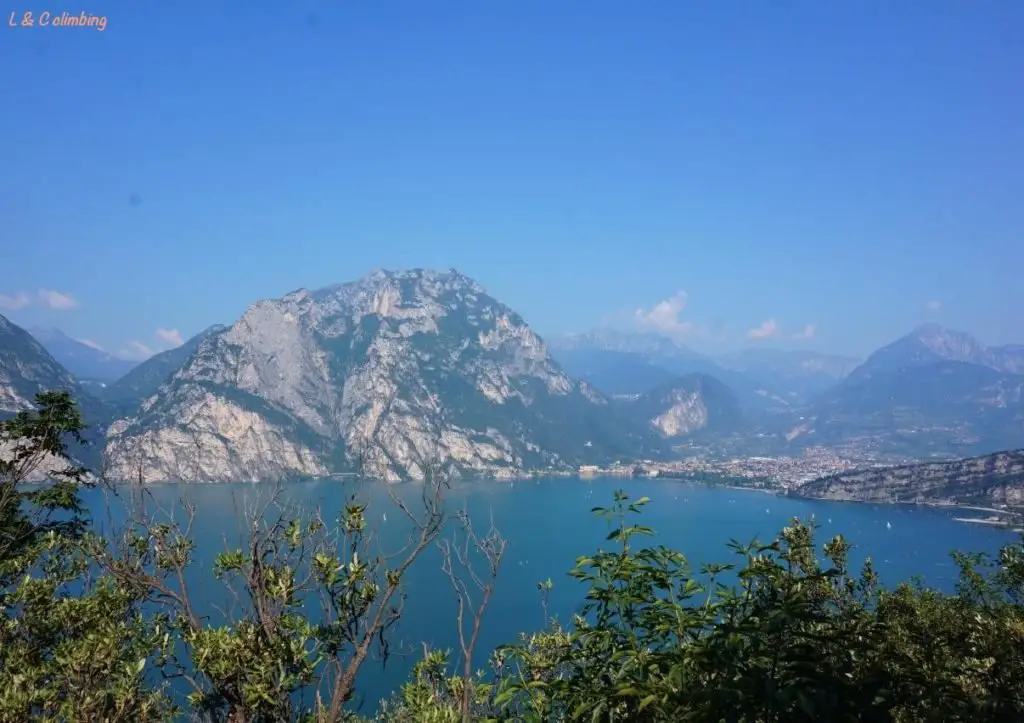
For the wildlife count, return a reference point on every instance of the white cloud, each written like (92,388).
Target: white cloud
(933,305)
(171,336)
(57,300)
(766,330)
(664,316)
(15,301)
(137,350)
(807,333)
(91,344)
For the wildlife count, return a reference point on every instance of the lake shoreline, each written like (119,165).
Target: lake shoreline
(931,505)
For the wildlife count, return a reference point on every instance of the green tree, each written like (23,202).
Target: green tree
(73,646)
(792,640)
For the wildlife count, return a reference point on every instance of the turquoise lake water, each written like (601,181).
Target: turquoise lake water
(548,524)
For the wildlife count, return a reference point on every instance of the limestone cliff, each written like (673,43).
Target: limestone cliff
(689,404)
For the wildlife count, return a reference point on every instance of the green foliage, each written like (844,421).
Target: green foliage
(73,646)
(793,641)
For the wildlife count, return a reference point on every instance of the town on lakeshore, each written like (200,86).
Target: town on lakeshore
(780,472)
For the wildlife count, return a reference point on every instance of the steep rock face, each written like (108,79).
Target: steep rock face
(387,375)
(989,480)
(690,404)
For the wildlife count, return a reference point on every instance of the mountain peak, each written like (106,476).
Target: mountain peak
(931,344)
(388,373)
(950,344)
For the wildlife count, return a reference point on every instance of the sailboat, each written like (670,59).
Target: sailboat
(888,525)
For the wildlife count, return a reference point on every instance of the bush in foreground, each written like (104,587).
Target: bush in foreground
(92,626)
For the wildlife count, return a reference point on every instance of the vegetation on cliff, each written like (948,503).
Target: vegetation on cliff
(94,623)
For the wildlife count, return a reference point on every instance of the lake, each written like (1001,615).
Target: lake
(548,524)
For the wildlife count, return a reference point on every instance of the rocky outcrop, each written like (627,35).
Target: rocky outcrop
(689,404)
(387,375)
(995,479)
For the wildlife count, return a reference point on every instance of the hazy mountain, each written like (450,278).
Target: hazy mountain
(989,480)
(128,392)
(931,390)
(634,342)
(630,363)
(27,368)
(388,373)
(797,374)
(931,343)
(690,404)
(82,360)
(614,372)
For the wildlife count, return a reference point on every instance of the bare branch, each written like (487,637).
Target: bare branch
(491,548)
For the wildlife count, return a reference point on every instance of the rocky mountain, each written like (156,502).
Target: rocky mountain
(934,390)
(26,369)
(143,381)
(387,374)
(690,404)
(995,479)
(86,363)
(930,344)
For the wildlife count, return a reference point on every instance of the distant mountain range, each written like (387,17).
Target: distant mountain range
(86,363)
(766,381)
(398,370)
(932,392)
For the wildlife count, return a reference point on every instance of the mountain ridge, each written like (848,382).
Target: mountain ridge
(27,368)
(931,389)
(144,379)
(994,479)
(389,372)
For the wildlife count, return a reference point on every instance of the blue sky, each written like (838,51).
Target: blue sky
(702,168)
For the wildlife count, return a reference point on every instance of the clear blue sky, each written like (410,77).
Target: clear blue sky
(839,164)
